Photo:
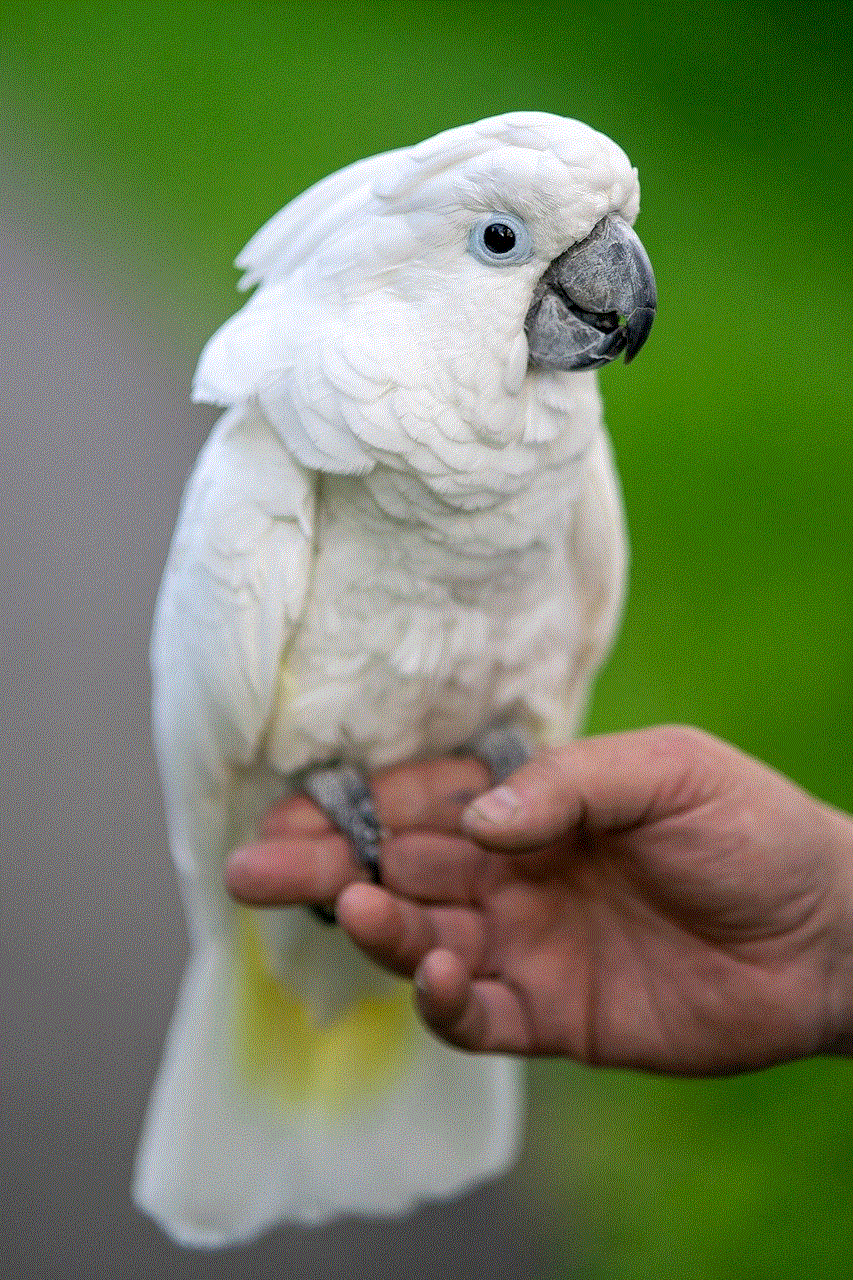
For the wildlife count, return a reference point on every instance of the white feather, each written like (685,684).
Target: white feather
(282,242)
(218,1165)
(397,535)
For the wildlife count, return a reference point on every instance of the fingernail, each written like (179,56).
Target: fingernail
(492,809)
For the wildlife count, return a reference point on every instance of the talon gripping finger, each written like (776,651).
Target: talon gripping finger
(502,749)
(344,796)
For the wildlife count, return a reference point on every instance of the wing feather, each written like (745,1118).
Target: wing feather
(598,550)
(233,591)
(292,234)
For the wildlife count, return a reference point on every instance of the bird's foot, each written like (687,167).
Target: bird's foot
(343,794)
(502,749)
(345,798)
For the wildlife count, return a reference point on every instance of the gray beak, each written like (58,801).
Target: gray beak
(595,301)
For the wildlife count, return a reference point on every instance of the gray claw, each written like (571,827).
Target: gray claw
(502,749)
(344,796)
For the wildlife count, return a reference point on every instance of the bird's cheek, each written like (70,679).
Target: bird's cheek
(515,368)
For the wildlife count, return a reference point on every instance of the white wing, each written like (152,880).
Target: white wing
(226,1151)
(598,550)
(234,587)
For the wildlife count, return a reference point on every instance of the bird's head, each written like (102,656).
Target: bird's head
(452,269)
(525,219)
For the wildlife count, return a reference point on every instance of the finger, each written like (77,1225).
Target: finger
(431,794)
(610,783)
(439,869)
(393,933)
(397,933)
(291,871)
(295,815)
(482,1016)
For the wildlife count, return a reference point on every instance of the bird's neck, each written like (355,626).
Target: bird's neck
(400,511)
(554,419)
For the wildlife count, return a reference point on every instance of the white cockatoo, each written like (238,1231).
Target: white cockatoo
(405,531)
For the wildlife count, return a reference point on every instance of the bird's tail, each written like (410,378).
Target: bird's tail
(270,1106)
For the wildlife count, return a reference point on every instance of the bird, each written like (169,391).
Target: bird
(404,538)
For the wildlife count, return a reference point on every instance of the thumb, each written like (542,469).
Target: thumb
(609,783)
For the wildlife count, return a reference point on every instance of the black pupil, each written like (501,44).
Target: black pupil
(499,237)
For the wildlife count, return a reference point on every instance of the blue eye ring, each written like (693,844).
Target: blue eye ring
(500,239)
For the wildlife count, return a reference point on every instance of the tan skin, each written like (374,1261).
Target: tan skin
(655,900)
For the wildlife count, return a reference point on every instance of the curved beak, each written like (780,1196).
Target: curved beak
(595,301)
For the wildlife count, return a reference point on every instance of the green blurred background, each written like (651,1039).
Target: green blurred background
(153,139)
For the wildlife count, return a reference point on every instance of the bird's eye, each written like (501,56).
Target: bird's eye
(500,239)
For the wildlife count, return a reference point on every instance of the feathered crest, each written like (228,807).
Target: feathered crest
(391,178)
(294,232)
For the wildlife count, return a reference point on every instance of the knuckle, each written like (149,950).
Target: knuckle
(695,764)
(550,783)
(549,768)
(327,871)
(404,943)
(551,761)
(680,741)
(400,794)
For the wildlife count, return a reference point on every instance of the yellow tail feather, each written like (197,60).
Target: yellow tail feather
(291,1060)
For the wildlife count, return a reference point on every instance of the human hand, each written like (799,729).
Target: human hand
(655,900)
